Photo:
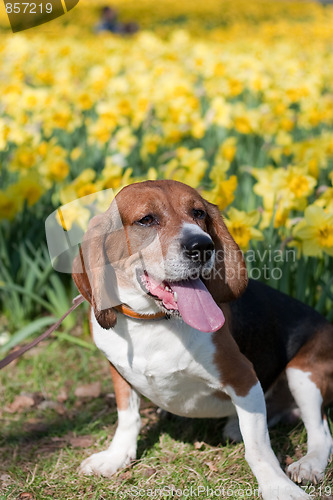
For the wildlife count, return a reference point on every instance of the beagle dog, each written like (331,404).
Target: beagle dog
(174,313)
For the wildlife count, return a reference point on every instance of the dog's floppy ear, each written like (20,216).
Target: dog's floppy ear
(93,274)
(228,279)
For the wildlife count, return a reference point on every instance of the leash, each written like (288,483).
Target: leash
(16,354)
(127,311)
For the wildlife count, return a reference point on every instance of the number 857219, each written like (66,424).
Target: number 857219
(28,8)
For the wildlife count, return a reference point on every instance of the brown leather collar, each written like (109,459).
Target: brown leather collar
(127,311)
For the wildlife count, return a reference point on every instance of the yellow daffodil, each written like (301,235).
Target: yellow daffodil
(4,131)
(315,232)
(269,181)
(9,204)
(124,140)
(100,132)
(326,200)
(76,153)
(150,145)
(189,166)
(220,112)
(111,174)
(223,193)
(280,212)
(58,170)
(241,226)
(72,213)
(228,149)
(296,186)
(290,186)
(25,157)
(28,188)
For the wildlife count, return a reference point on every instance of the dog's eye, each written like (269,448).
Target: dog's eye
(147,220)
(198,214)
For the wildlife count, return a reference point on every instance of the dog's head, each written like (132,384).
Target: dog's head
(160,245)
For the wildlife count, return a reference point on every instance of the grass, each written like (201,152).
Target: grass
(42,445)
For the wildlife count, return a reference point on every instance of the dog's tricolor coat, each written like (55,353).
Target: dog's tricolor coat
(222,342)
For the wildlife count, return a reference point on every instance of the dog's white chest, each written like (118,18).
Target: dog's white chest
(168,362)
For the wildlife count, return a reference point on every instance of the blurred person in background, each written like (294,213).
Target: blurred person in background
(109,22)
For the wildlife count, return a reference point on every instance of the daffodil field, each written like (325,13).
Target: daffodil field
(232,98)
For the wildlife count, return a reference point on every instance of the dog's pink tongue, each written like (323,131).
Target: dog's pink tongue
(197,307)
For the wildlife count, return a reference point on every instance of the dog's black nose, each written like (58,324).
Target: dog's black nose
(198,248)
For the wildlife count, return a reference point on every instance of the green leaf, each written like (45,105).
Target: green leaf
(24,292)
(26,331)
(76,340)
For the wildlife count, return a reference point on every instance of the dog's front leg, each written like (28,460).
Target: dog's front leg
(273,483)
(124,443)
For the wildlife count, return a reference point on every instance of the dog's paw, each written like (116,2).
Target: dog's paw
(232,431)
(106,463)
(285,490)
(306,469)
